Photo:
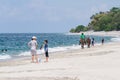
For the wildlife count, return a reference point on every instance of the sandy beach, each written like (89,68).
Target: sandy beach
(101,62)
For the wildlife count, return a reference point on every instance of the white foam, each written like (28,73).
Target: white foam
(28,53)
(116,39)
(56,49)
(51,50)
(64,48)
(24,54)
(5,56)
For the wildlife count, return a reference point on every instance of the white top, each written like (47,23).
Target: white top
(33,44)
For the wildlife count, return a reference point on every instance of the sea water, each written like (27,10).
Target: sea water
(15,44)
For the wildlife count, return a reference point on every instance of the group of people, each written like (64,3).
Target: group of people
(83,41)
(34,45)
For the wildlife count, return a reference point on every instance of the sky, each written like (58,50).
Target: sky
(49,16)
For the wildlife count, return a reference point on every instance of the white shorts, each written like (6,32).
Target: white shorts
(33,52)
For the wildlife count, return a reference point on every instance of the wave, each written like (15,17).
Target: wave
(56,49)
(52,50)
(5,56)
(117,39)
(27,53)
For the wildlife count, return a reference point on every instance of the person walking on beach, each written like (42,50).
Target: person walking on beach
(93,41)
(33,46)
(45,46)
(88,42)
(102,41)
(82,40)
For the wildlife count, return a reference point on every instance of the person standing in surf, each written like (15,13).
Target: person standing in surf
(82,40)
(33,46)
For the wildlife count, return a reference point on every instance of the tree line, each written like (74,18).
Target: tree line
(102,21)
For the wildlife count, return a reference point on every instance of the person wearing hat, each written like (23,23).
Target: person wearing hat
(33,46)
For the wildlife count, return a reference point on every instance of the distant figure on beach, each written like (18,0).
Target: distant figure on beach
(102,41)
(33,46)
(45,46)
(79,42)
(88,42)
(93,41)
(82,40)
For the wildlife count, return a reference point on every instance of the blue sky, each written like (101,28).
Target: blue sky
(49,16)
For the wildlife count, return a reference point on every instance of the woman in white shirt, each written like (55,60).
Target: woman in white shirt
(33,46)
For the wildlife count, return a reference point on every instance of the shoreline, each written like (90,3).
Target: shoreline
(115,34)
(99,33)
(27,59)
(100,62)
(77,64)
(18,58)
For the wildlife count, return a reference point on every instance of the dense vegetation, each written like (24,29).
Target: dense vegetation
(102,21)
(79,28)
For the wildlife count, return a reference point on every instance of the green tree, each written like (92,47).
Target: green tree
(72,30)
(106,21)
(102,21)
(79,28)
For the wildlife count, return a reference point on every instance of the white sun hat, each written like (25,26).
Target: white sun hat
(34,37)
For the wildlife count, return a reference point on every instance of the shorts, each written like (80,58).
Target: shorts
(33,52)
(46,54)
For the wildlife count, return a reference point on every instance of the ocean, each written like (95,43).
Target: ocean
(14,45)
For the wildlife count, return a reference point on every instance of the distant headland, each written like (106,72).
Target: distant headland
(102,21)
